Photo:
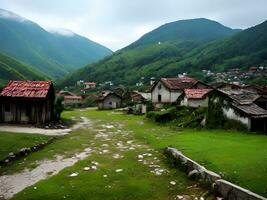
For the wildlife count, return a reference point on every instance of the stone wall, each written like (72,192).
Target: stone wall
(222,188)
(24,152)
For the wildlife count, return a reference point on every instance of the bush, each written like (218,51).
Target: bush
(163,116)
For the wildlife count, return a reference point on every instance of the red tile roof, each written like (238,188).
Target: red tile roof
(196,93)
(72,98)
(178,83)
(90,83)
(27,89)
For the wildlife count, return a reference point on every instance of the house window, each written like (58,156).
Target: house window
(7,108)
(159,87)
(159,98)
(110,103)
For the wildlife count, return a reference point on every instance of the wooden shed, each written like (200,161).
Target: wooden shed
(29,102)
(108,100)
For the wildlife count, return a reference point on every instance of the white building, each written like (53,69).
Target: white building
(195,98)
(167,90)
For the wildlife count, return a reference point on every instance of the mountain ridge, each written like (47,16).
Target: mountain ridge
(54,54)
(151,57)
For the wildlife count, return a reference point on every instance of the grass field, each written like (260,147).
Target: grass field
(13,142)
(136,181)
(241,157)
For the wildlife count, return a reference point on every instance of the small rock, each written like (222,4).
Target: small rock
(173,183)
(119,170)
(74,174)
(35,188)
(94,167)
(95,163)
(86,168)
(179,197)
(105,176)
(140,156)
(194,173)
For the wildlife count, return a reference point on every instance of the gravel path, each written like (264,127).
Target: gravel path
(50,132)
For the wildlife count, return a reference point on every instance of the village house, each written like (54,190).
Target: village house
(89,85)
(27,102)
(241,105)
(167,90)
(140,100)
(108,100)
(194,98)
(70,99)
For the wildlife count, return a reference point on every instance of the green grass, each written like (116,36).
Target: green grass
(13,142)
(241,157)
(134,183)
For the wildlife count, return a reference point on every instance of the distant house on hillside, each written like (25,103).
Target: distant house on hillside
(240,105)
(108,100)
(89,85)
(195,98)
(27,102)
(70,99)
(167,90)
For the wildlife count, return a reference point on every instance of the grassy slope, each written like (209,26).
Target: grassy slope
(11,69)
(242,50)
(50,53)
(13,142)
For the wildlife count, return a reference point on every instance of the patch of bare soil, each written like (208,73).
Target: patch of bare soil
(12,184)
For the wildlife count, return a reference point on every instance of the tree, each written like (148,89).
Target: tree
(58,107)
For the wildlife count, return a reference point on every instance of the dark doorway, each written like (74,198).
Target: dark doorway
(259,125)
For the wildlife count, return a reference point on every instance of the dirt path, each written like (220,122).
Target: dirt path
(50,132)
(12,184)
(111,143)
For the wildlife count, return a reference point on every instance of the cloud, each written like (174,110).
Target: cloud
(117,23)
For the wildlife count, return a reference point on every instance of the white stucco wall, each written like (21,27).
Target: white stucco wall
(166,95)
(195,103)
(230,114)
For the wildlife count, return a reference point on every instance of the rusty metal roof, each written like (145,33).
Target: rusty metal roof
(196,93)
(252,110)
(26,89)
(178,83)
(242,96)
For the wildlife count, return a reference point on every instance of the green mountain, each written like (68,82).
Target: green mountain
(194,30)
(11,69)
(245,49)
(156,54)
(55,53)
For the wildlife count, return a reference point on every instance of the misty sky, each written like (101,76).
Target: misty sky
(117,23)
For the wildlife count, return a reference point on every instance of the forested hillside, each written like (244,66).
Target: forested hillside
(11,69)
(54,53)
(162,52)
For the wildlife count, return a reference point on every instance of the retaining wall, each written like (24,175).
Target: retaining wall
(222,187)
(24,152)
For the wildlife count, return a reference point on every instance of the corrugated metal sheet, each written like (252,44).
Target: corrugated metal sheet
(252,110)
(27,89)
